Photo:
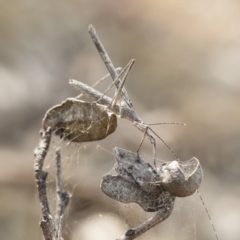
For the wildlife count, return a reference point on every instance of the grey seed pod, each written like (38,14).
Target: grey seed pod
(134,180)
(132,166)
(181,179)
(124,191)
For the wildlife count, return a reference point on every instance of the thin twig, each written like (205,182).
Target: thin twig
(40,153)
(62,197)
(159,217)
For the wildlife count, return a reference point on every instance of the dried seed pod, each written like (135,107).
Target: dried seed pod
(181,179)
(80,121)
(134,180)
(131,165)
(124,191)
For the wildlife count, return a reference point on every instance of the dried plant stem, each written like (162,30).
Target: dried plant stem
(50,230)
(159,217)
(40,153)
(62,197)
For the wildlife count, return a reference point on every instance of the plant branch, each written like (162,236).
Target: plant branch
(62,197)
(40,153)
(159,217)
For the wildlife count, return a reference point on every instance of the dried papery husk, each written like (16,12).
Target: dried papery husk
(181,179)
(132,166)
(80,121)
(134,180)
(124,191)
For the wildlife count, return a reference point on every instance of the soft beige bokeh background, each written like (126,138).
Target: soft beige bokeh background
(187,70)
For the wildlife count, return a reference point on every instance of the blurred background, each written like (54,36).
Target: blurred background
(187,70)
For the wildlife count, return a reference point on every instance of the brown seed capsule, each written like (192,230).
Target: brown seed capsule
(80,121)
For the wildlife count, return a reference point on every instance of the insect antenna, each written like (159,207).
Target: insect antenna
(164,142)
(209,217)
(161,123)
